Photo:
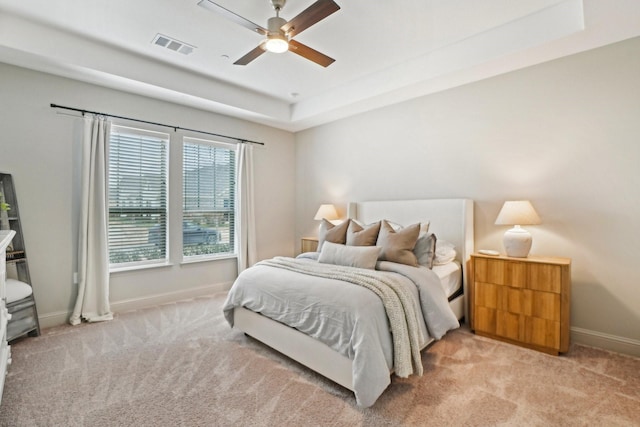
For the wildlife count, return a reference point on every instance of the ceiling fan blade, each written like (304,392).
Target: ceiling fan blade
(253,54)
(311,15)
(208,4)
(310,54)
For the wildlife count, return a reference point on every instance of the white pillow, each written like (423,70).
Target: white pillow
(17,290)
(445,252)
(349,256)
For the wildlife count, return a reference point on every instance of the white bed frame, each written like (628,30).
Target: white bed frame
(450,220)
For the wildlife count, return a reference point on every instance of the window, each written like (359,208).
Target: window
(208,185)
(137,196)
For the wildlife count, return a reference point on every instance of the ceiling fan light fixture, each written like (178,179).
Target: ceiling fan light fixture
(276,43)
(280,33)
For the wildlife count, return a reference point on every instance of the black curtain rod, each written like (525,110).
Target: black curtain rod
(175,128)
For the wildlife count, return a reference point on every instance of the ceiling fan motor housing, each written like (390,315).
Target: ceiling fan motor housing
(274,24)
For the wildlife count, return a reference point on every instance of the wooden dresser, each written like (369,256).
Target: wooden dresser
(5,349)
(309,244)
(524,301)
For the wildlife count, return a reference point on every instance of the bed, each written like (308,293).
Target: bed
(450,220)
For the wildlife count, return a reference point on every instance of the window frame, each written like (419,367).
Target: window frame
(165,139)
(187,259)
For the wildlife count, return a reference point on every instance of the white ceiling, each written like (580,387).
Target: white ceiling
(385,53)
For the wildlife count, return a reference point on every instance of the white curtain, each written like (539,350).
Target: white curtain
(92,303)
(245,211)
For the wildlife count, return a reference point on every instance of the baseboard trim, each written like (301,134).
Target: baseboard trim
(149,301)
(606,341)
(57,318)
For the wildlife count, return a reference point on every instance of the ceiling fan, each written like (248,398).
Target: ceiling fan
(280,32)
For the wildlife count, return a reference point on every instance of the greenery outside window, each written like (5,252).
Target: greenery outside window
(208,192)
(137,196)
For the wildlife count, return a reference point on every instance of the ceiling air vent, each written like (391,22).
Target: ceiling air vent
(173,44)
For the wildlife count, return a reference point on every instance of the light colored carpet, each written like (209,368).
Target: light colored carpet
(181,365)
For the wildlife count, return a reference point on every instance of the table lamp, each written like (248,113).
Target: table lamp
(517,241)
(327,212)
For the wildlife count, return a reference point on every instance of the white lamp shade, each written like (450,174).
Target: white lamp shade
(517,241)
(518,212)
(327,212)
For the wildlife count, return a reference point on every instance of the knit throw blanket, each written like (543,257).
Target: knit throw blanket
(398,302)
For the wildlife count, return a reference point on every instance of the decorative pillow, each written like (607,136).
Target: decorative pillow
(425,250)
(395,225)
(358,235)
(397,246)
(349,256)
(424,226)
(332,233)
(445,253)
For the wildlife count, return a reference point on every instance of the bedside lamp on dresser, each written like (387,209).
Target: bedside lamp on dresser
(517,298)
(517,241)
(326,211)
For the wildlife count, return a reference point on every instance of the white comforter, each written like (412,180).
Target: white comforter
(348,318)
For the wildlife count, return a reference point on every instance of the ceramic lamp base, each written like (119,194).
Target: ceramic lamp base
(517,242)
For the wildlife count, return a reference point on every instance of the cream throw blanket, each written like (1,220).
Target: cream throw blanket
(398,302)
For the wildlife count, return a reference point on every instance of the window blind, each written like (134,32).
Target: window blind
(209,185)
(137,195)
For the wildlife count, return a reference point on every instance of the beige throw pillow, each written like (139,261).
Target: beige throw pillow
(332,233)
(358,235)
(397,246)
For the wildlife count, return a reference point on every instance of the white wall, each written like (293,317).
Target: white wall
(565,134)
(37,147)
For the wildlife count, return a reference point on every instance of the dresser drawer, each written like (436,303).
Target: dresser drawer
(522,300)
(541,277)
(545,305)
(541,332)
(545,277)
(501,272)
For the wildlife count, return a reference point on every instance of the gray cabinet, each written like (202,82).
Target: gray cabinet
(20,299)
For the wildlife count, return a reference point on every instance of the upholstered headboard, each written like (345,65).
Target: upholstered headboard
(450,220)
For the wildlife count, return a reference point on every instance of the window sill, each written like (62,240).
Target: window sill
(190,260)
(206,258)
(139,267)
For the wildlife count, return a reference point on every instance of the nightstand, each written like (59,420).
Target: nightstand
(524,301)
(309,244)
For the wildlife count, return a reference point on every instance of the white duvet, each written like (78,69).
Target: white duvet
(348,318)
